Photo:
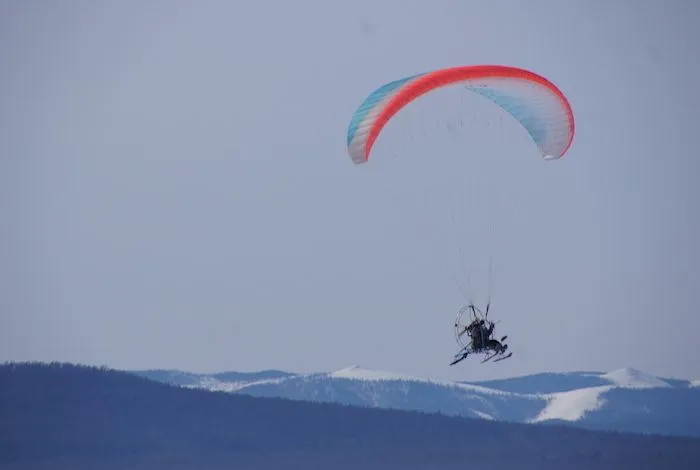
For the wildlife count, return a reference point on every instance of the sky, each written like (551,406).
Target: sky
(175,188)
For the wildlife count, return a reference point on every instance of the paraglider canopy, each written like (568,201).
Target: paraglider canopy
(537,104)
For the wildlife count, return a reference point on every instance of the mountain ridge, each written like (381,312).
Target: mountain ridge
(625,399)
(63,416)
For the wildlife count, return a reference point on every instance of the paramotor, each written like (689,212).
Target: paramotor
(538,107)
(473,332)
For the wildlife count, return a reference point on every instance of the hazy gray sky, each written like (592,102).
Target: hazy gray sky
(176,191)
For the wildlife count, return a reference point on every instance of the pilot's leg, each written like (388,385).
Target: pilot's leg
(494,344)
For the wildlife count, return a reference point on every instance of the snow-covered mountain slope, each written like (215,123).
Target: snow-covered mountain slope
(572,405)
(623,400)
(632,378)
(221,381)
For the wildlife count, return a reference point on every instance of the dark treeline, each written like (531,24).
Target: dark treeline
(63,416)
